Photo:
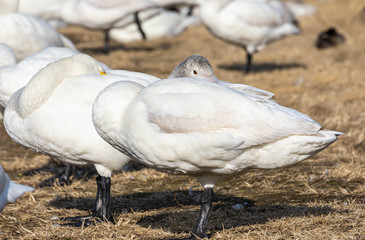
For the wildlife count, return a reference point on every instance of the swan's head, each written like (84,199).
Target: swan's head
(194,66)
(82,64)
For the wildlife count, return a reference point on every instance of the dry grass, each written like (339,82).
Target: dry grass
(322,198)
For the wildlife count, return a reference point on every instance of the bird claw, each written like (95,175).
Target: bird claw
(81,221)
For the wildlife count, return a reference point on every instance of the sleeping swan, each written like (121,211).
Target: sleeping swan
(52,115)
(207,130)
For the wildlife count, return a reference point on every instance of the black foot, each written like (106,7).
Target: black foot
(65,178)
(133,166)
(188,238)
(192,237)
(82,221)
(61,179)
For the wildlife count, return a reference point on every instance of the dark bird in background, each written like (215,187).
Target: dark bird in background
(329,38)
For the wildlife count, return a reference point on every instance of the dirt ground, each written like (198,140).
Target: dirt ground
(321,198)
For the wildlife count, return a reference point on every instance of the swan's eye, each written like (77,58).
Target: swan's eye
(195,72)
(102,73)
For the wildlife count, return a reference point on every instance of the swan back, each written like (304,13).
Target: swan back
(197,126)
(27,34)
(10,191)
(109,12)
(42,85)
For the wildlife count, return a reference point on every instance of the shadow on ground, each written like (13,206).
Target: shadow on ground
(184,207)
(261,67)
(126,48)
(224,216)
(141,202)
(80,173)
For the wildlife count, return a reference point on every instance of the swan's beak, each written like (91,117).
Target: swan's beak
(102,73)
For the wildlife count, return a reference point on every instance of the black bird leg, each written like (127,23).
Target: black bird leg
(139,25)
(102,202)
(106,41)
(200,227)
(62,179)
(190,12)
(102,209)
(248,64)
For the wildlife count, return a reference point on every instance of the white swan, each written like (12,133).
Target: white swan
(251,24)
(212,132)
(52,115)
(103,14)
(45,9)
(27,34)
(161,24)
(9,190)
(15,76)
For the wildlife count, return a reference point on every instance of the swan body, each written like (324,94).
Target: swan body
(63,91)
(251,24)
(195,126)
(9,190)
(96,14)
(197,133)
(52,115)
(45,9)
(161,25)
(26,34)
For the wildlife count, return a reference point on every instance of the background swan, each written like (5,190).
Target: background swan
(212,132)
(8,6)
(250,24)
(45,9)
(27,34)
(161,24)
(52,115)
(9,190)
(103,15)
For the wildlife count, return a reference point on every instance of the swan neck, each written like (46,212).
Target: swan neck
(44,83)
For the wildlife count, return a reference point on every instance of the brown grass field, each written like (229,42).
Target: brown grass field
(321,198)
